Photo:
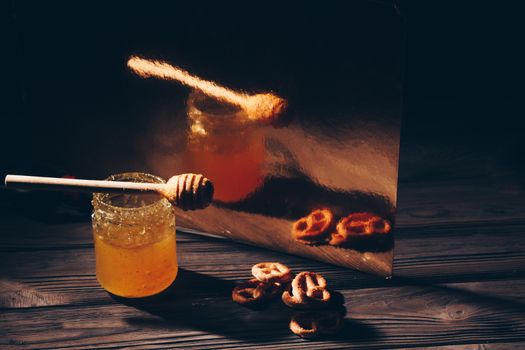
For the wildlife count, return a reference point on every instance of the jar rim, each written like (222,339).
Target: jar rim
(100,199)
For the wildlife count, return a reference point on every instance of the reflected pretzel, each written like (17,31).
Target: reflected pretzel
(313,228)
(307,290)
(313,324)
(272,272)
(358,225)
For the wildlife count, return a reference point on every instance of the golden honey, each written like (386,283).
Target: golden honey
(135,240)
(224,145)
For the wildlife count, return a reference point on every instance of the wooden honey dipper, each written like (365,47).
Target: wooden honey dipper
(265,107)
(186,191)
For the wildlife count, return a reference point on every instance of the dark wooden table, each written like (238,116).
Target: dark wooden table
(459,278)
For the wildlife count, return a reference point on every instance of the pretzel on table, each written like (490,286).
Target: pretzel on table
(307,290)
(314,324)
(271,272)
(254,291)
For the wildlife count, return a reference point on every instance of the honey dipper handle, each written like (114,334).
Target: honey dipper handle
(78,185)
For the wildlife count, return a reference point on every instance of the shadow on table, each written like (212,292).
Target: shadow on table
(203,302)
(459,296)
(496,309)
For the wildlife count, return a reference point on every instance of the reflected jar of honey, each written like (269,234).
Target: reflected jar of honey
(134,237)
(224,144)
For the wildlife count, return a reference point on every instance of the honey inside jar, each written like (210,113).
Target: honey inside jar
(224,145)
(135,240)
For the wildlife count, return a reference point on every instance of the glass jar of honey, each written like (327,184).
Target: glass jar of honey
(224,144)
(134,237)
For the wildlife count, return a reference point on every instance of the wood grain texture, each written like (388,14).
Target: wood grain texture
(192,314)
(459,282)
(427,303)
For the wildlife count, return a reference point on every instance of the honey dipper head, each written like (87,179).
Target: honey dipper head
(266,107)
(189,191)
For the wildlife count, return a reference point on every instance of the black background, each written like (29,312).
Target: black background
(74,97)
(463,73)
(464,90)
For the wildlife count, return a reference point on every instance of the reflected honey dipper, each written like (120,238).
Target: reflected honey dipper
(264,107)
(186,191)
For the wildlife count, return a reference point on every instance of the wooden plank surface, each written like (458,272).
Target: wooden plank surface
(459,282)
(380,317)
(50,297)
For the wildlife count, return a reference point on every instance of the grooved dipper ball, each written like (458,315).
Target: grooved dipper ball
(189,191)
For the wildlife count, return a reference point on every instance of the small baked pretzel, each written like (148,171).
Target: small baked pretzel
(272,272)
(293,300)
(314,324)
(313,228)
(358,225)
(249,292)
(254,291)
(304,325)
(313,284)
(307,290)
